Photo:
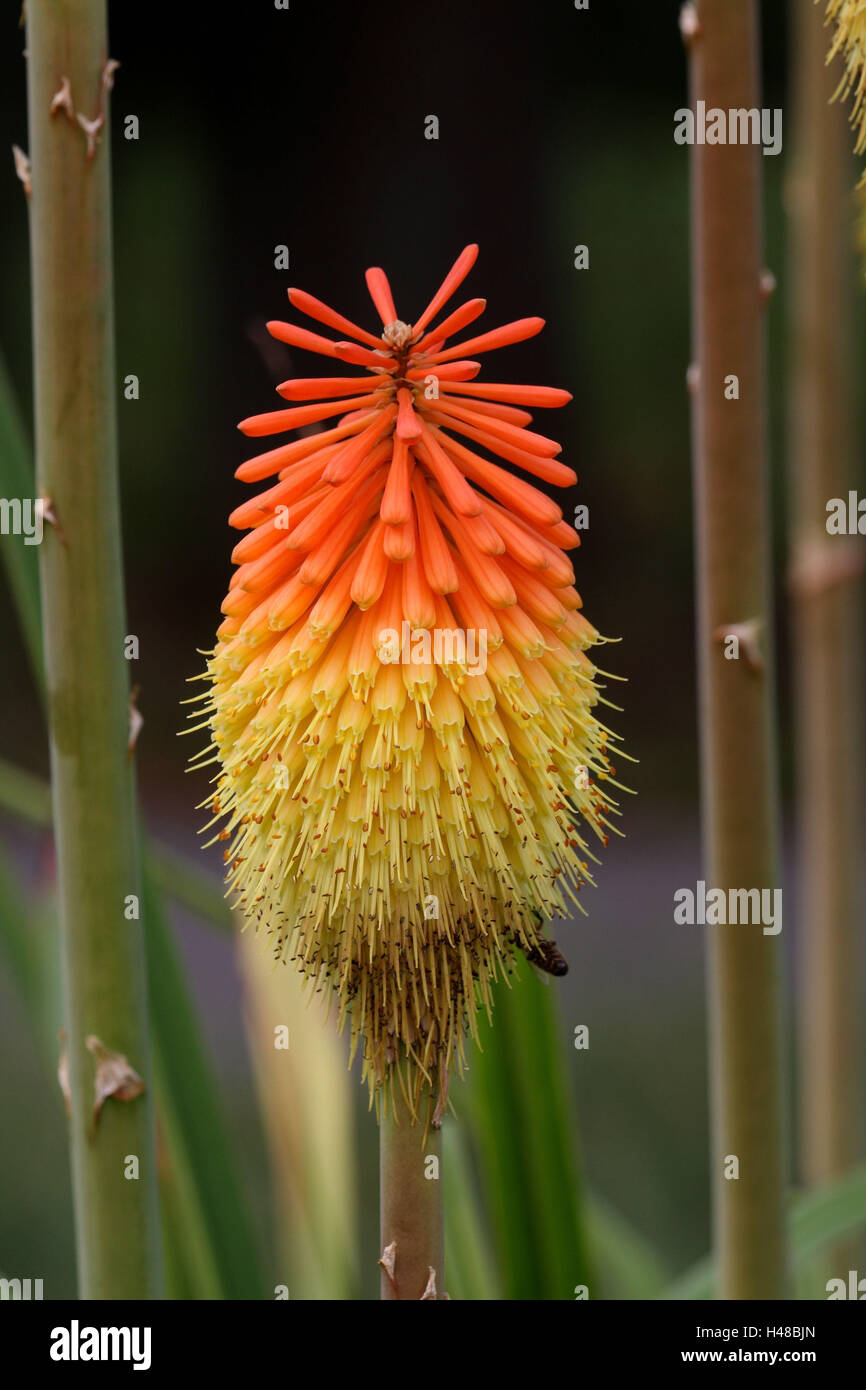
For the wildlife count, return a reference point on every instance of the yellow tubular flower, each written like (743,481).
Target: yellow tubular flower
(849,39)
(400,702)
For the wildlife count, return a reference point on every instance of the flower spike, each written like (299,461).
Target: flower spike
(401,700)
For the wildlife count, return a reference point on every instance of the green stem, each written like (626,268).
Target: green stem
(410,1199)
(83,625)
(738,762)
(827,618)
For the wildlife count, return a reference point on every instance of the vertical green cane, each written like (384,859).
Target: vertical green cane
(736,705)
(113,1158)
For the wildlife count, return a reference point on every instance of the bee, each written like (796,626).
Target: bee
(547,956)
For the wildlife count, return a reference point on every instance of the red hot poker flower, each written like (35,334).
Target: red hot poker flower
(401,701)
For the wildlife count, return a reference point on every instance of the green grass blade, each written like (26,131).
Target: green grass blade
(17,942)
(497,1127)
(213,1250)
(628,1266)
(201,1146)
(21,561)
(27,798)
(190,886)
(191,1228)
(307,1102)
(527,1141)
(24,796)
(191,1116)
(469,1272)
(833,1213)
(191,1263)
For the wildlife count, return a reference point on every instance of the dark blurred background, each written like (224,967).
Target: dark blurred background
(306,127)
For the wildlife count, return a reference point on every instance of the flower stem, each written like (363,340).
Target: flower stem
(86,675)
(410,1199)
(827,612)
(738,762)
